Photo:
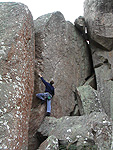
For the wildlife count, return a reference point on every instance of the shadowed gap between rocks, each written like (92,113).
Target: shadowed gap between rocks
(38,62)
(92,69)
(87,39)
(105,62)
(76,111)
(40,138)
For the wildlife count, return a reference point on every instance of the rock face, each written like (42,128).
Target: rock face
(61,54)
(16,74)
(36,118)
(50,143)
(89,100)
(94,128)
(79,62)
(103,66)
(80,24)
(99,18)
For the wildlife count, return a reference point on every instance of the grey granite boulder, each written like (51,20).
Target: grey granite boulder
(61,54)
(51,143)
(103,66)
(89,99)
(99,19)
(36,118)
(95,127)
(16,74)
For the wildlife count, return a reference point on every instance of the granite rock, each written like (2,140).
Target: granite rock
(95,127)
(103,66)
(89,99)
(51,143)
(16,74)
(99,19)
(61,54)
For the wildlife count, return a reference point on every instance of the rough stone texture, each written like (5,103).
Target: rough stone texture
(80,24)
(61,54)
(16,74)
(89,99)
(51,143)
(36,118)
(96,127)
(99,19)
(103,65)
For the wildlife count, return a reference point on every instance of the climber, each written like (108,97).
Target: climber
(49,93)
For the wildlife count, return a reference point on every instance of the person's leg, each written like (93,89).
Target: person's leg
(48,106)
(41,96)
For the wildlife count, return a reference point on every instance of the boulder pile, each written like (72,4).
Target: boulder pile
(78,57)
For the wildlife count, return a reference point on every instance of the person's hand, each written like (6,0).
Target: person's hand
(40,75)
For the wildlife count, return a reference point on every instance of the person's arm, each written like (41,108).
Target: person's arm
(53,92)
(43,79)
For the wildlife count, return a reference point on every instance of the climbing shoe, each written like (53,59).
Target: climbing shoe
(48,114)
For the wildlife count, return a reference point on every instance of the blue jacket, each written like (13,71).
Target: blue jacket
(48,87)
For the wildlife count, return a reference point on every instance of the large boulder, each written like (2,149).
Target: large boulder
(94,129)
(89,100)
(36,118)
(103,66)
(61,54)
(16,74)
(99,19)
(51,143)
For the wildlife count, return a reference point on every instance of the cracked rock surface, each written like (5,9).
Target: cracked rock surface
(96,127)
(63,56)
(79,58)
